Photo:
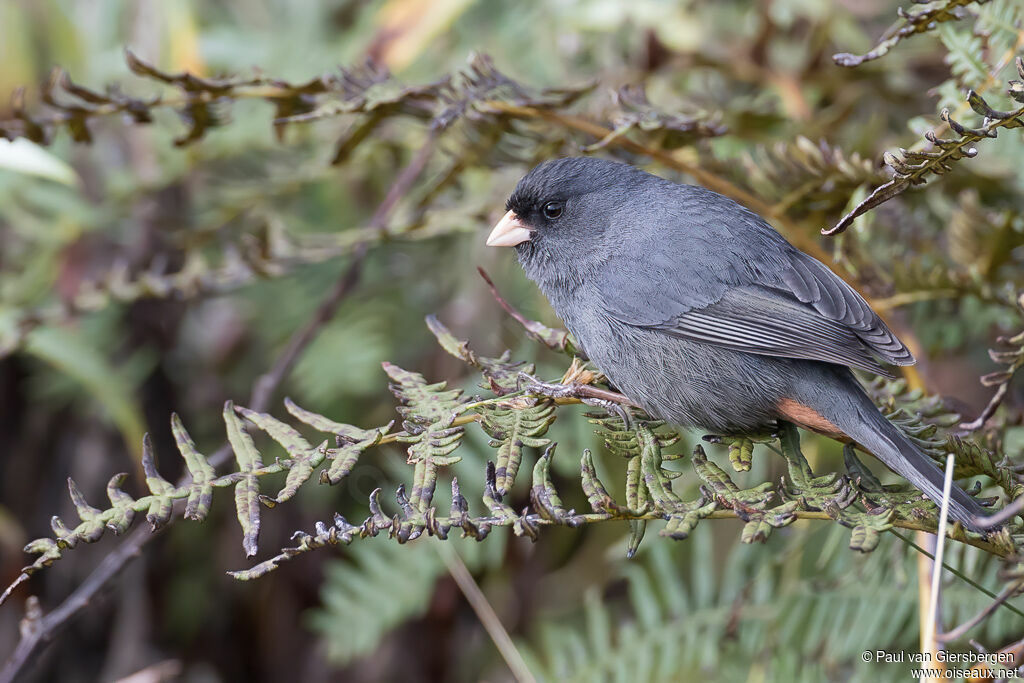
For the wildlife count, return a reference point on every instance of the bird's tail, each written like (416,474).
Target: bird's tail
(838,397)
(890,445)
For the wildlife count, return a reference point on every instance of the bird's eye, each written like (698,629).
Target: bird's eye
(552,210)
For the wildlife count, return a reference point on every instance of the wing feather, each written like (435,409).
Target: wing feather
(796,308)
(769,324)
(836,300)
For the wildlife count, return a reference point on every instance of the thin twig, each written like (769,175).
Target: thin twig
(485,613)
(505,305)
(554,339)
(1004,515)
(39,629)
(42,627)
(961,630)
(955,572)
(989,411)
(268,382)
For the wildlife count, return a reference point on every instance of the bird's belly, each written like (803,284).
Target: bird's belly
(688,383)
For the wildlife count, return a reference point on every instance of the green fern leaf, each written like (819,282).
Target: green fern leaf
(328,426)
(597,495)
(428,411)
(200,495)
(513,428)
(345,456)
(122,510)
(352,441)
(421,403)
(966,56)
(545,498)
(161,502)
(750,505)
(93,523)
(303,458)
(247,490)
(1000,23)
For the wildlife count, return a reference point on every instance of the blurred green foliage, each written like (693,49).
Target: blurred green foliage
(84,373)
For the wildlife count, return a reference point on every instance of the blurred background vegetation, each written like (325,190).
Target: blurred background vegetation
(757,101)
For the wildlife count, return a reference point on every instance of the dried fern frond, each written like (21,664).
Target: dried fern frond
(655,128)
(434,422)
(913,167)
(1012,356)
(912,23)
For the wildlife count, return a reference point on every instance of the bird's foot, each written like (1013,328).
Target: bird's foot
(614,409)
(581,392)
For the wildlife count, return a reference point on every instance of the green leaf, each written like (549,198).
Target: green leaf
(522,424)
(750,505)
(597,495)
(344,457)
(122,511)
(200,495)
(422,403)
(247,490)
(328,426)
(303,458)
(543,495)
(161,503)
(92,526)
(501,374)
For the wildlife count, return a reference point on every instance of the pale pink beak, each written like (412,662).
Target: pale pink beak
(509,232)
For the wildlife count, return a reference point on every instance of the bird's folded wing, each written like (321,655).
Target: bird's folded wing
(765,323)
(791,306)
(812,283)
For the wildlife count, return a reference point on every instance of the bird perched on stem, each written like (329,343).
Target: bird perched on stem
(702,314)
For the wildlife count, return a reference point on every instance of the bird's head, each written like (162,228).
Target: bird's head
(559,216)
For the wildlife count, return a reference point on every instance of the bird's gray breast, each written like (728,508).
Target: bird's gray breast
(685,382)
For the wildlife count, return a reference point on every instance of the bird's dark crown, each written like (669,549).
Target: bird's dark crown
(563,179)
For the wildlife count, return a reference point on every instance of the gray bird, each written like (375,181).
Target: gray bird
(702,314)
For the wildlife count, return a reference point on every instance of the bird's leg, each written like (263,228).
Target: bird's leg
(615,404)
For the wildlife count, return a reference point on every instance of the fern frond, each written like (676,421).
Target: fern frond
(501,374)
(658,129)
(381,587)
(912,23)
(800,597)
(435,419)
(197,491)
(965,55)
(1000,23)
(807,175)
(914,167)
(513,428)
(422,404)
(750,505)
